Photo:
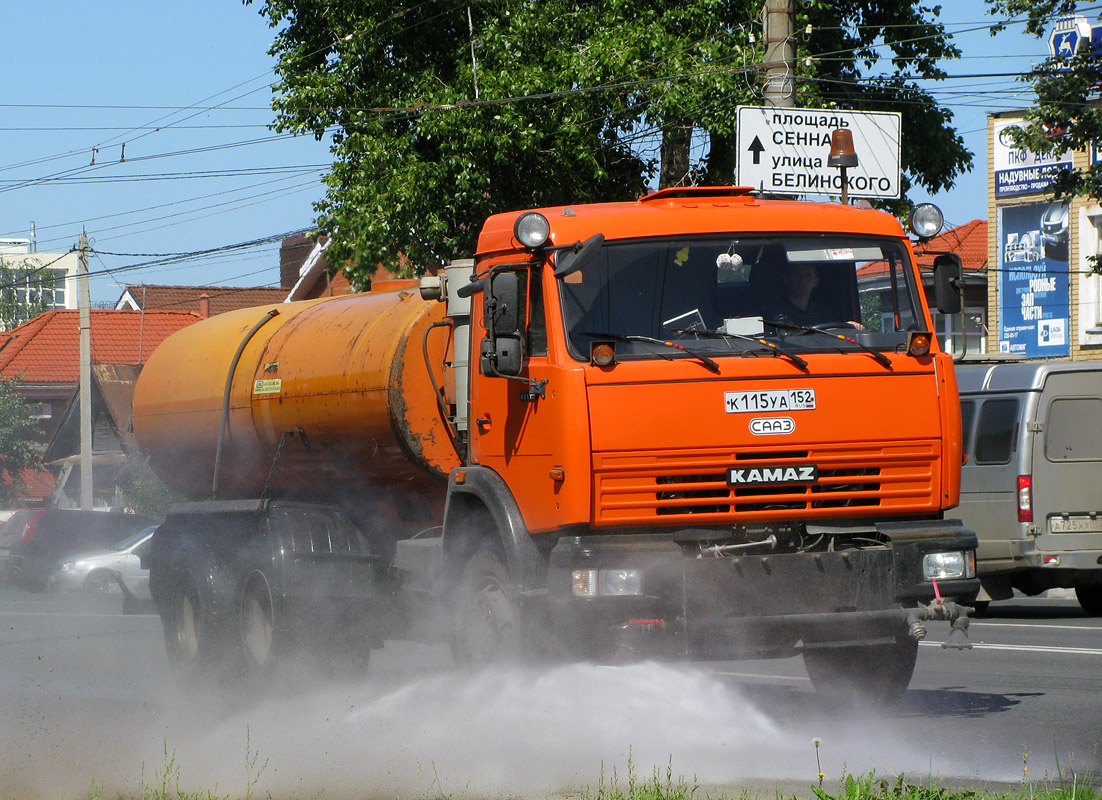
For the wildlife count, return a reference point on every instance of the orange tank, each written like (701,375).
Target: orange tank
(347,375)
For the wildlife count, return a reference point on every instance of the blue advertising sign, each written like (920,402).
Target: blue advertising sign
(1033,280)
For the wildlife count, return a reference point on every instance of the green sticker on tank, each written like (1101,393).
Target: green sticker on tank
(268,386)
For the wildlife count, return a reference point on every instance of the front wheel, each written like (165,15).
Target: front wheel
(862,674)
(488,621)
(99,583)
(1090,598)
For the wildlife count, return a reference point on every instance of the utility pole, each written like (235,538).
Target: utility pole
(84,302)
(780,54)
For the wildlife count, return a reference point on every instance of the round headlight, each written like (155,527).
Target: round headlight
(532,229)
(925,220)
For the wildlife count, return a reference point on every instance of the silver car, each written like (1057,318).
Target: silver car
(117,568)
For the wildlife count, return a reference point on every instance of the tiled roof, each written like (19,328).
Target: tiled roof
(38,487)
(186,298)
(47,348)
(969,241)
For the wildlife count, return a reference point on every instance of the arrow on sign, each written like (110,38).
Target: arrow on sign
(756,148)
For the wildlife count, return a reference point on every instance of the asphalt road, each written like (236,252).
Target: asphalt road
(87,703)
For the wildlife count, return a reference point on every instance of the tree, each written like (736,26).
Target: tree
(17,449)
(24,291)
(441,115)
(1067,114)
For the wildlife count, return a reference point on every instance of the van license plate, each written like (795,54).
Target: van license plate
(1074,525)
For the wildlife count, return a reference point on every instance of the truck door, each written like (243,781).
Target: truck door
(1067,465)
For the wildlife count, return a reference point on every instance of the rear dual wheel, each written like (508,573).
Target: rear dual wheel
(189,634)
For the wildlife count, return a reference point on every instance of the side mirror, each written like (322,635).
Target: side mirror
(573,259)
(947,283)
(503,356)
(503,304)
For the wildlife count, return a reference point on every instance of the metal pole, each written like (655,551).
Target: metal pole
(84,303)
(780,54)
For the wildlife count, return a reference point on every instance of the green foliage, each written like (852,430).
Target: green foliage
(17,449)
(562,102)
(24,291)
(657,787)
(144,491)
(1066,114)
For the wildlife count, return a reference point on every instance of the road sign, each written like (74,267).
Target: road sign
(784,151)
(1068,35)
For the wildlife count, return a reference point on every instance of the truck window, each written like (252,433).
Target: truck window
(696,288)
(1072,432)
(996,431)
(537,318)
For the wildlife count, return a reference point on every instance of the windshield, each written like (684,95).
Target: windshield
(716,290)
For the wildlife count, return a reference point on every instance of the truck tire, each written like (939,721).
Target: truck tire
(1090,598)
(257,624)
(862,675)
(488,622)
(198,644)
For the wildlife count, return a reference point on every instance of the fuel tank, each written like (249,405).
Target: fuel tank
(338,387)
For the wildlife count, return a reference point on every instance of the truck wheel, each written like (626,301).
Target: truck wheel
(862,674)
(257,623)
(1090,598)
(197,644)
(488,624)
(185,630)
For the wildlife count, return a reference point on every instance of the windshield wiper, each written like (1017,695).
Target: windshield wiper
(881,359)
(763,345)
(621,337)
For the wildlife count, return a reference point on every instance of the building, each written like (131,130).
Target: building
(1044,299)
(206,301)
(958,333)
(52,276)
(964,333)
(46,352)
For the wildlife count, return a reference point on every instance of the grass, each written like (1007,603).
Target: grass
(165,785)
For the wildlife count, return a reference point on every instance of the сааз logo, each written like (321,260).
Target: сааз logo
(768,426)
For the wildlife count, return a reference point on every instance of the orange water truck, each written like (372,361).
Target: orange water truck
(612,434)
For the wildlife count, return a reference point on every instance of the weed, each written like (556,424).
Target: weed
(657,787)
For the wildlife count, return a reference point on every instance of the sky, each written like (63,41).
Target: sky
(186,88)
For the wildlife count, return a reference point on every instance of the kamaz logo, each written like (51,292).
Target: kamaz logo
(755,476)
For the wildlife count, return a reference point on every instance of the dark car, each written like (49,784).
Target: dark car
(59,533)
(16,527)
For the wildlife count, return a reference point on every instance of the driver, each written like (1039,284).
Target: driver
(794,303)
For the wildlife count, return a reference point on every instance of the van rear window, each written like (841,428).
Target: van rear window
(1072,432)
(967,417)
(995,431)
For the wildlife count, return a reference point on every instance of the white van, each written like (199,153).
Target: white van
(1031,485)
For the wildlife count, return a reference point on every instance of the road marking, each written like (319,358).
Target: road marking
(1029,648)
(1041,625)
(756,676)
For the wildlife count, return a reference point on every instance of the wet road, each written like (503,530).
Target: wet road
(86,700)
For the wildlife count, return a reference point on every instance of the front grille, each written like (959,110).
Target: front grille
(667,487)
